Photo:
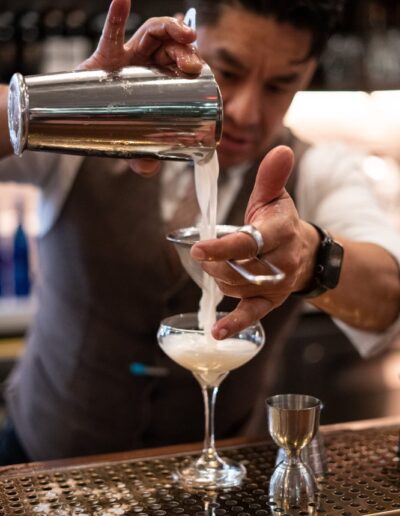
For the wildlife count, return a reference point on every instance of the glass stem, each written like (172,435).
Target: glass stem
(209,396)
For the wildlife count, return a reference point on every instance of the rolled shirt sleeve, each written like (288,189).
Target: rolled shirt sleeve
(333,192)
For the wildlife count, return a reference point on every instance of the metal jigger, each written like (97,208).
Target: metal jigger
(314,455)
(293,421)
(184,238)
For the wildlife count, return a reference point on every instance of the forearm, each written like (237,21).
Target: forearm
(5,146)
(368,294)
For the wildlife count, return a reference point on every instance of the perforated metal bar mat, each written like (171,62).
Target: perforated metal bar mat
(363,478)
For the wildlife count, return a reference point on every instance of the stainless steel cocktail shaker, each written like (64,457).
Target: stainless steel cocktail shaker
(133,112)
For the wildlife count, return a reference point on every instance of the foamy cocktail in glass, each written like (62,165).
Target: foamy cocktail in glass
(210,362)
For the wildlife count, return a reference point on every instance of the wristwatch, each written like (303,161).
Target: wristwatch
(327,267)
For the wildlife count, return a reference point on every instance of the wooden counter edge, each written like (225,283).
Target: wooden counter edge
(148,453)
(88,460)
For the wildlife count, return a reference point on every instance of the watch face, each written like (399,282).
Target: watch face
(333,264)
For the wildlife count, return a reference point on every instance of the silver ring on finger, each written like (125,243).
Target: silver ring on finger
(256,236)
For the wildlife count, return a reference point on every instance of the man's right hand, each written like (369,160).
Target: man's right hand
(160,41)
(289,243)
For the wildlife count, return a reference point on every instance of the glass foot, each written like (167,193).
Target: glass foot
(223,474)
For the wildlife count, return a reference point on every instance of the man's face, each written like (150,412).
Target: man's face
(259,66)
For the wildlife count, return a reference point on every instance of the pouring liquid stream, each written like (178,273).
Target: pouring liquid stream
(206,182)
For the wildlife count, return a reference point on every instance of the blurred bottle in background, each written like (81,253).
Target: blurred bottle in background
(343,62)
(20,255)
(77,38)
(8,45)
(18,230)
(382,59)
(7,229)
(29,41)
(56,51)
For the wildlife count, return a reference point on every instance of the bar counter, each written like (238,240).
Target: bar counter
(363,478)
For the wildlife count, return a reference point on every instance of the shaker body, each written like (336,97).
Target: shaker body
(133,112)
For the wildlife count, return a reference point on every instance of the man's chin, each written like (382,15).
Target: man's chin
(229,159)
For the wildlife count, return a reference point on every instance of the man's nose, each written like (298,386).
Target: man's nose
(244,107)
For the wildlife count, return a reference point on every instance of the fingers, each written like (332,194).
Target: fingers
(234,284)
(236,246)
(163,29)
(155,32)
(165,41)
(145,167)
(159,41)
(247,312)
(271,179)
(184,56)
(110,48)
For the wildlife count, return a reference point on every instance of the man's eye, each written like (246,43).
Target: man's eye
(274,88)
(227,74)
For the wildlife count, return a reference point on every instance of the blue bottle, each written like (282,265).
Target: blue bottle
(22,283)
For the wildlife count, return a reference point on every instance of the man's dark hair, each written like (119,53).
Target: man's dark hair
(320,17)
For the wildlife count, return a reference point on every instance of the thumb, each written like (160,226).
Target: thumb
(271,179)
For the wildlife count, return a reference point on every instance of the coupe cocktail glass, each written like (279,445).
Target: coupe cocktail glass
(210,361)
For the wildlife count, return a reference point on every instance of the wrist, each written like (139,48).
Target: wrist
(327,266)
(311,242)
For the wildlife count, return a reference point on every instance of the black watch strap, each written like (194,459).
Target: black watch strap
(327,266)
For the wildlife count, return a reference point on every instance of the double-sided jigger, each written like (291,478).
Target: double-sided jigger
(314,455)
(293,421)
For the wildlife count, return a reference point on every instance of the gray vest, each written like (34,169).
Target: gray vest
(108,278)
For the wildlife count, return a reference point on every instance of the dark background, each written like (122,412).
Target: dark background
(363,21)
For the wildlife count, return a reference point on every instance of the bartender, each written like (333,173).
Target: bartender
(108,276)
